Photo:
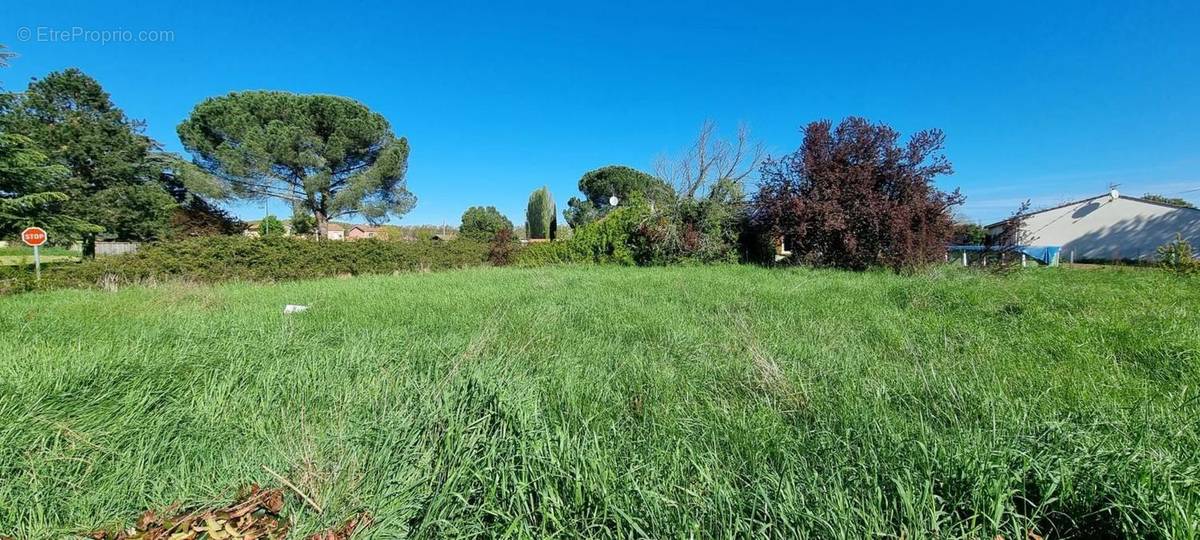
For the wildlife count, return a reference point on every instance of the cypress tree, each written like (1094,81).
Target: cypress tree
(541,215)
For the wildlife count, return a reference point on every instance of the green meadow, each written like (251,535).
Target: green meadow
(713,401)
(23,255)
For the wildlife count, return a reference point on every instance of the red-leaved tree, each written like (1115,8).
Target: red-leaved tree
(853,197)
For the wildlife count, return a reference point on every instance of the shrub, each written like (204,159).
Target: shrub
(608,239)
(700,229)
(500,250)
(684,231)
(605,241)
(1178,257)
(852,197)
(226,258)
(547,253)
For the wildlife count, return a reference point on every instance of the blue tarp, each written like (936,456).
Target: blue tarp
(1048,255)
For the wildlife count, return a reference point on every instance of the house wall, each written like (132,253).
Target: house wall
(1106,229)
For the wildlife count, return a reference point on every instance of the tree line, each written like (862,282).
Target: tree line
(851,195)
(74,163)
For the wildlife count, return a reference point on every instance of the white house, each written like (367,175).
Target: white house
(1109,227)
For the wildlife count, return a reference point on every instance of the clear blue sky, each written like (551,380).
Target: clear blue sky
(1045,100)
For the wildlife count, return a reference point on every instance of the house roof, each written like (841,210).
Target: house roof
(1092,198)
(368,228)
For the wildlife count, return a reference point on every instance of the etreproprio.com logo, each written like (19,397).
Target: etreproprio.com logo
(79,34)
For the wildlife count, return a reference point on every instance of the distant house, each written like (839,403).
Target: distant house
(359,232)
(335,231)
(1108,227)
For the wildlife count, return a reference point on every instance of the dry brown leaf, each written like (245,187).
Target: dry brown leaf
(357,522)
(147,520)
(274,501)
(253,517)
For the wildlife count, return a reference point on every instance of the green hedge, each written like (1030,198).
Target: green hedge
(606,241)
(227,258)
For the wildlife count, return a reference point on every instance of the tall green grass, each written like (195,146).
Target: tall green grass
(26,251)
(23,255)
(618,402)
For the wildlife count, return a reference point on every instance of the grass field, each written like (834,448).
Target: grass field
(618,402)
(23,255)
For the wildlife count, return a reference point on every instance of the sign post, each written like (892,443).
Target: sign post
(34,237)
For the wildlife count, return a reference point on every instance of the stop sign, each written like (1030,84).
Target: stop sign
(34,236)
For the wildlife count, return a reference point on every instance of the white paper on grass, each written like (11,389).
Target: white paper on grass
(293,308)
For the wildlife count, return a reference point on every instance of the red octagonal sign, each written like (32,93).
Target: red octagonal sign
(33,236)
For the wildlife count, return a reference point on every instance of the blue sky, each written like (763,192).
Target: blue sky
(1047,100)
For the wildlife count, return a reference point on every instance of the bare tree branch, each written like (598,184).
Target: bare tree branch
(710,160)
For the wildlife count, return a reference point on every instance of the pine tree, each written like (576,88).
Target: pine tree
(332,154)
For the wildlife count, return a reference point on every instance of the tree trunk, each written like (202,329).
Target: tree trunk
(322,225)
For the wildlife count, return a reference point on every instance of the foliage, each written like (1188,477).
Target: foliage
(720,401)
(483,223)
(701,230)
(599,185)
(580,212)
(226,258)
(140,212)
(1178,257)
(1173,201)
(703,222)
(303,223)
(341,157)
(705,228)
(115,172)
(703,219)
(851,197)
(607,241)
(271,227)
(541,215)
(194,215)
(966,233)
(5,55)
(27,192)
(501,247)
